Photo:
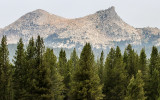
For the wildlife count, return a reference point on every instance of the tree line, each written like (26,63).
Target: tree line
(37,74)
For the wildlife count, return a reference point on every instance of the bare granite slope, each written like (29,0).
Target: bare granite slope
(102,29)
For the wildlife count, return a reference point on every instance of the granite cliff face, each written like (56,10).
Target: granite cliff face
(103,29)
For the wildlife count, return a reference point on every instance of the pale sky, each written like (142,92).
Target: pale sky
(137,13)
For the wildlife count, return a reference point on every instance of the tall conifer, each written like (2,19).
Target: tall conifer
(153,82)
(115,76)
(130,59)
(31,68)
(86,83)
(20,72)
(135,89)
(53,78)
(101,67)
(6,91)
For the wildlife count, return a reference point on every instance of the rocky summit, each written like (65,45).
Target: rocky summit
(102,29)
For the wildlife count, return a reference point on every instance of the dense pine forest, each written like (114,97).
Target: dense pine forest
(37,74)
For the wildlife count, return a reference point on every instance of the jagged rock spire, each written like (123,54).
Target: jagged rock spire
(108,14)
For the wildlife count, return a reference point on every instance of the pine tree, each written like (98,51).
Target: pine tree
(86,83)
(64,71)
(115,76)
(55,80)
(109,63)
(154,85)
(157,72)
(31,49)
(125,57)
(6,91)
(136,62)
(41,82)
(67,78)
(72,64)
(130,59)
(153,60)
(69,69)
(101,67)
(135,89)
(39,50)
(62,62)
(143,63)
(31,69)
(153,82)
(20,72)
(74,59)
(144,69)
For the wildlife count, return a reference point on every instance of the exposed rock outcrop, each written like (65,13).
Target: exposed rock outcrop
(102,29)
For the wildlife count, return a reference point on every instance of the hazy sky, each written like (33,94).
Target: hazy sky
(138,13)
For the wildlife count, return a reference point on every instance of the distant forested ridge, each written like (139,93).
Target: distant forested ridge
(37,74)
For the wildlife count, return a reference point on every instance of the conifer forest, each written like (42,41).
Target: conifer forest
(37,74)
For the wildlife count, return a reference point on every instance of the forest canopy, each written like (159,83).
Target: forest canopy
(37,74)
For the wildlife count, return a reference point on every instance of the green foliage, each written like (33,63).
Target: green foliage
(72,64)
(115,76)
(31,69)
(62,62)
(74,59)
(64,70)
(145,70)
(42,82)
(143,63)
(54,78)
(153,60)
(31,49)
(36,74)
(101,67)
(39,50)
(6,91)
(154,85)
(86,83)
(20,72)
(135,89)
(153,78)
(130,59)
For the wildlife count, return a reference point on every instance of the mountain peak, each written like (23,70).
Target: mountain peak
(39,17)
(102,29)
(41,11)
(109,10)
(34,14)
(112,9)
(109,14)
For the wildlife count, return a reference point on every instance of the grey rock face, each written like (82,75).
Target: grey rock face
(102,29)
